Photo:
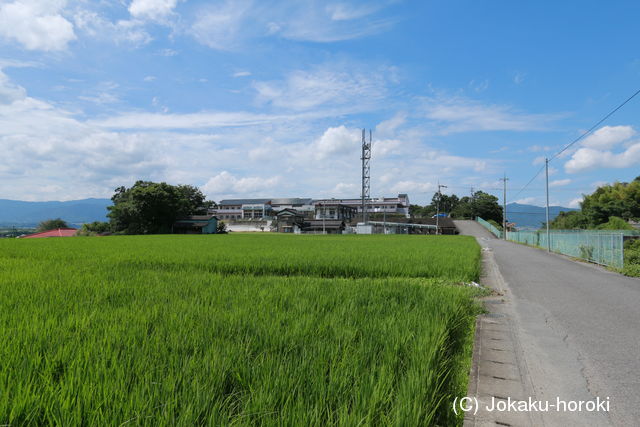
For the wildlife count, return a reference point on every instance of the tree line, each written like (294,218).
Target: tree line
(479,204)
(611,207)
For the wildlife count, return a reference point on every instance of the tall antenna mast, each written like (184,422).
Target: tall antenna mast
(366,173)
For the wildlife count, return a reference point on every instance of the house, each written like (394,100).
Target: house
(196,224)
(290,221)
(59,232)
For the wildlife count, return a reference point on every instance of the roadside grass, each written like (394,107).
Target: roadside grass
(152,331)
(632,258)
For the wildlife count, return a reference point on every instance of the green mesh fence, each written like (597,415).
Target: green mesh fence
(491,228)
(603,247)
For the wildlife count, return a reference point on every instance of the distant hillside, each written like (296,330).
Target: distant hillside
(75,212)
(529,216)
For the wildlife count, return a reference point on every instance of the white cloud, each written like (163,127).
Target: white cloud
(149,78)
(222,27)
(337,141)
(230,25)
(152,9)
(347,12)
(225,184)
(123,31)
(388,127)
(241,74)
(10,92)
(460,114)
(526,201)
(414,187)
(595,151)
(588,159)
(324,85)
(345,189)
(168,52)
(518,77)
(575,203)
(36,24)
(262,154)
(560,182)
(608,137)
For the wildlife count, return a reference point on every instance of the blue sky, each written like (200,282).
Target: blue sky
(266,98)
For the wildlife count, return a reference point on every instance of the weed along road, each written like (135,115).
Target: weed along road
(578,327)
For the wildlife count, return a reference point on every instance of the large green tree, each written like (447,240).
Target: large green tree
(620,200)
(480,204)
(52,224)
(152,208)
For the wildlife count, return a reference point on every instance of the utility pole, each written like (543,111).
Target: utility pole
(438,207)
(504,207)
(384,217)
(546,171)
(366,173)
(324,214)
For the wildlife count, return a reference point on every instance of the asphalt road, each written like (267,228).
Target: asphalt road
(580,326)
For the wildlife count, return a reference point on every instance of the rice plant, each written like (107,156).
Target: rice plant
(152,331)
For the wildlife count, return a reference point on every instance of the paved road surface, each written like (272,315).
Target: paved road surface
(580,326)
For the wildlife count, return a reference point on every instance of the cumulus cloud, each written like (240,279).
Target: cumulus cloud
(36,24)
(337,141)
(575,203)
(588,159)
(226,183)
(596,151)
(608,137)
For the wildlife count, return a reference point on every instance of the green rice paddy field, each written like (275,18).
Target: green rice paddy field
(235,329)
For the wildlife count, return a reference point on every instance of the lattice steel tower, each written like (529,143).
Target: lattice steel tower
(366,173)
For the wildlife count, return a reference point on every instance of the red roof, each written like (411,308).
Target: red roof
(60,232)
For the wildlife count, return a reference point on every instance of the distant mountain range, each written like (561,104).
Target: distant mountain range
(74,212)
(532,217)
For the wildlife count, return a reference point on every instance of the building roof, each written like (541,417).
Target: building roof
(196,218)
(291,201)
(60,232)
(233,202)
(288,211)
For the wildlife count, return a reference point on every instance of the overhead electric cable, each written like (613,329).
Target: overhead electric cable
(596,125)
(587,132)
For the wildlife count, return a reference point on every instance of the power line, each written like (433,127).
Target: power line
(578,139)
(596,125)
(530,181)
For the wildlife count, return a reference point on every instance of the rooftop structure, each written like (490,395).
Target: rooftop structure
(59,232)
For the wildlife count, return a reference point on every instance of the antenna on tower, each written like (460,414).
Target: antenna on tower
(366,173)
